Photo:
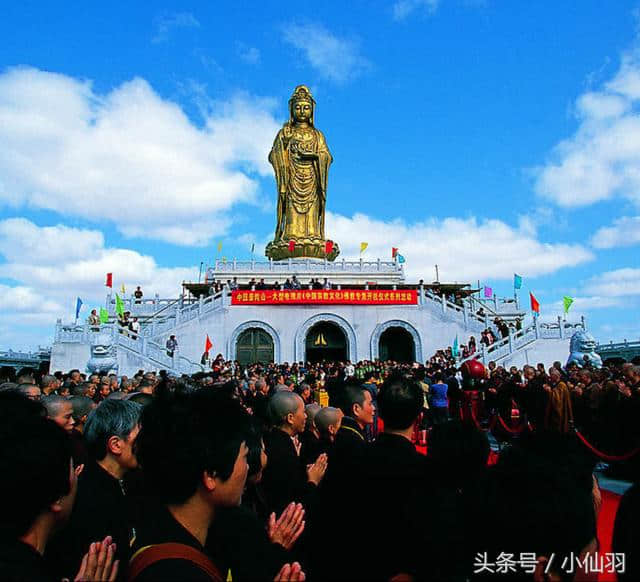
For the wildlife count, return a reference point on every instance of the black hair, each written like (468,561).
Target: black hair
(254,444)
(184,435)
(35,457)
(141,398)
(110,418)
(400,402)
(347,396)
(459,451)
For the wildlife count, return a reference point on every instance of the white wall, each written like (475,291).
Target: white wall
(435,330)
(69,356)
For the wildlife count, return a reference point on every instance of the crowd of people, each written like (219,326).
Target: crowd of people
(239,473)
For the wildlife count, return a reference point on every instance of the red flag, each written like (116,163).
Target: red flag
(208,345)
(292,245)
(535,306)
(109,282)
(394,252)
(328,247)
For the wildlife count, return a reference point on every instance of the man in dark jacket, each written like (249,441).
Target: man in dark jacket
(192,447)
(286,478)
(393,466)
(342,487)
(101,507)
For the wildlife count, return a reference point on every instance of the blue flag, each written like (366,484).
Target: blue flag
(517,281)
(78,306)
(455,352)
(401,259)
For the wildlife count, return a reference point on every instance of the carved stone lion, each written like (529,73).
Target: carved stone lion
(583,345)
(103,354)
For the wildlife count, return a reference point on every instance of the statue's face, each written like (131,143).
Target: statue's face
(302,111)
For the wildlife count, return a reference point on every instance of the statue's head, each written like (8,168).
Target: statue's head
(582,341)
(301,106)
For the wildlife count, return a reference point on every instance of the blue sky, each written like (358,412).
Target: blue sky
(487,137)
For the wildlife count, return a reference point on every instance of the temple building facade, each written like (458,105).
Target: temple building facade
(303,305)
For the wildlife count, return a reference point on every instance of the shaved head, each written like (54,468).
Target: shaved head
(281,405)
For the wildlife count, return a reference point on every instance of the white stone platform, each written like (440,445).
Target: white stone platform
(341,272)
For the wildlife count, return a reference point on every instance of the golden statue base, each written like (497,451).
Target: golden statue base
(305,248)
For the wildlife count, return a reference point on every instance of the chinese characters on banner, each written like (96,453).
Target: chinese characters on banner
(590,563)
(329,297)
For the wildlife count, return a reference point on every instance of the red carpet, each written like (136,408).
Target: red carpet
(606,520)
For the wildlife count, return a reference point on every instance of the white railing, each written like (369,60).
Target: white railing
(71,333)
(496,306)
(461,313)
(151,352)
(560,329)
(187,313)
(520,339)
(293,266)
(618,346)
(143,307)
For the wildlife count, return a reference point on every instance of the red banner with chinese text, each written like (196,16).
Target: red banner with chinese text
(329,297)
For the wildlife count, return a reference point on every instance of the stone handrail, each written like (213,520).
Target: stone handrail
(611,346)
(301,266)
(157,354)
(71,333)
(462,313)
(186,313)
(493,305)
(518,340)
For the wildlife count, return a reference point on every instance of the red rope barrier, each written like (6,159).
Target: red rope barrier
(508,428)
(473,417)
(492,422)
(604,456)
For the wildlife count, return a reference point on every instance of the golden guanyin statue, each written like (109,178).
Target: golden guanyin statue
(301,159)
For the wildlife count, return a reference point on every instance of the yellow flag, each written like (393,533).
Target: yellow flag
(220,247)
(363,246)
(122,289)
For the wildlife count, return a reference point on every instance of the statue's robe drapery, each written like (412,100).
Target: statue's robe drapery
(301,161)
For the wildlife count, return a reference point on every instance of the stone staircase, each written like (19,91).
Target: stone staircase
(140,352)
(509,347)
(160,318)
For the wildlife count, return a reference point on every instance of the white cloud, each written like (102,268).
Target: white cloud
(129,156)
(335,59)
(248,54)
(53,265)
(618,283)
(164,24)
(402,9)
(602,159)
(26,301)
(464,249)
(624,232)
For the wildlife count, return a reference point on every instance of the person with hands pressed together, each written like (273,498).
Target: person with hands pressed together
(192,449)
(247,526)
(285,477)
